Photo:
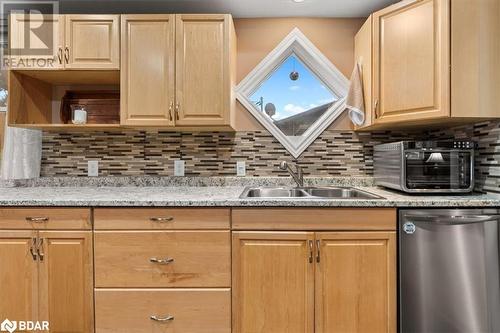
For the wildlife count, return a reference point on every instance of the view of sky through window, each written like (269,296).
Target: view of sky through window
(291,97)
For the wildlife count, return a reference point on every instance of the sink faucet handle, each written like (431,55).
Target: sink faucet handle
(283,165)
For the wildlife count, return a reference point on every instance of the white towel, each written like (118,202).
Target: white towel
(355,100)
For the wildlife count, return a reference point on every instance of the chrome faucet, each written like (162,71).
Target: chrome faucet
(297,175)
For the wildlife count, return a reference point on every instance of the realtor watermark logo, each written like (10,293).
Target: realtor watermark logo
(33,33)
(12,325)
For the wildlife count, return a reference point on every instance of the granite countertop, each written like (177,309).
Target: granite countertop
(216,193)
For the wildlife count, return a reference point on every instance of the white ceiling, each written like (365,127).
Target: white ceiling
(239,8)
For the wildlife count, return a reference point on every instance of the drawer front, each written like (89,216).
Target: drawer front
(190,310)
(314,219)
(161,218)
(45,218)
(162,259)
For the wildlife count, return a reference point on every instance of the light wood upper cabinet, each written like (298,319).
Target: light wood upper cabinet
(356,282)
(411,61)
(147,71)
(177,70)
(433,62)
(66,280)
(273,282)
(92,41)
(203,69)
(18,276)
(49,40)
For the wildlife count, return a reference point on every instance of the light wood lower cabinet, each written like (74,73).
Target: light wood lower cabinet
(355,282)
(47,275)
(18,276)
(66,280)
(273,282)
(323,282)
(174,310)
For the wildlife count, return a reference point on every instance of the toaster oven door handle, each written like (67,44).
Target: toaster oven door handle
(441,219)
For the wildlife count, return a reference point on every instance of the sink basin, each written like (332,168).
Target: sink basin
(340,193)
(307,193)
(275,192)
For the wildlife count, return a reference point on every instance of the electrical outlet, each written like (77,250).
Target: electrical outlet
(241,169)
(179,168)
(93,168)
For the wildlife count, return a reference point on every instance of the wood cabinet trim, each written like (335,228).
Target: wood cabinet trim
(314,219)
(182,218)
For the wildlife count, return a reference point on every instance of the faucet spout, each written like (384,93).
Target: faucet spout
(297,175)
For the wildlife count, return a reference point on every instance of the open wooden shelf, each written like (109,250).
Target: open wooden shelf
(35,96)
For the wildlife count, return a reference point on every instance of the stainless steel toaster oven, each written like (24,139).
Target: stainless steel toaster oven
(425,166)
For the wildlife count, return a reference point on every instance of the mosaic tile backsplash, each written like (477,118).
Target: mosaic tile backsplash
(334,153)
(134,153)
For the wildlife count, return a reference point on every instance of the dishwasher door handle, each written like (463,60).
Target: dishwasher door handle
(447,219)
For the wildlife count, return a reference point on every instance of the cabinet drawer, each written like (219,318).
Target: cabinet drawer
(314,219)
(193,310)
(161,218)
(191,258)
(45,218)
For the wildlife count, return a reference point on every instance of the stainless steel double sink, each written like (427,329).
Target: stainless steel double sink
(323,192)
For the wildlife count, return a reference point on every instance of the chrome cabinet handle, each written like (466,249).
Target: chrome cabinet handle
(60,55)
(33,248)
(39,250)
(177,108)
(37,219)
(164,319)
(170,107)
(318,244)
(310,251)
(165,261)
(66,54)
(161,219)
(376,109)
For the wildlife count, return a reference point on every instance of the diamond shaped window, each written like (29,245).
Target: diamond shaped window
(295,92)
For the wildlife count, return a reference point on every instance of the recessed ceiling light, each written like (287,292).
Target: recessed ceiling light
(298,1)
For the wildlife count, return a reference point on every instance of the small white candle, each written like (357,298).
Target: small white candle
(79,116)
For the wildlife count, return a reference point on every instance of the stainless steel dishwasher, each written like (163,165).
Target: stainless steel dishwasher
(449,270)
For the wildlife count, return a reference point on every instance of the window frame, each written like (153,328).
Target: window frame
(296,43)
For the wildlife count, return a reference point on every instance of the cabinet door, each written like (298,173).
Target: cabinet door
(411,61)
(203,88)
(273,282)
(18,275)
(92,41)
(147,70)
(66,287)
(36,41)
(356,282)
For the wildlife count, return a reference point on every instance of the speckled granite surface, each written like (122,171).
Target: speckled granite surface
(216,196)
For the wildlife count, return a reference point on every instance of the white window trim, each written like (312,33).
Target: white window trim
(296,43)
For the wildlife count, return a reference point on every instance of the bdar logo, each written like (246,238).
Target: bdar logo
(7,325)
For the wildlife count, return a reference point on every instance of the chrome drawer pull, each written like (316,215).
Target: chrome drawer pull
(161,219)
(37,219)
(167,318)
(165,261)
